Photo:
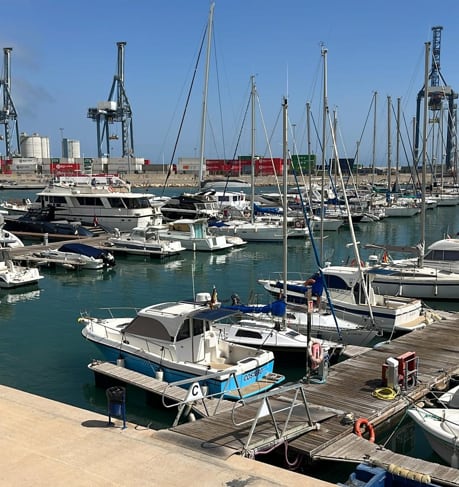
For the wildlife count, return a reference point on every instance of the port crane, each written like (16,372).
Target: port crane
(8,113)
(115,110)
(441,101)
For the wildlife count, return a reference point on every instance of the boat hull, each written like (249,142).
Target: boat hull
(226,384)
(441,435)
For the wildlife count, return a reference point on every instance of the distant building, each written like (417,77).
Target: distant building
(70,149)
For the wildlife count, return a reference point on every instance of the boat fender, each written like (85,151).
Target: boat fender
(363,422)
(316,353)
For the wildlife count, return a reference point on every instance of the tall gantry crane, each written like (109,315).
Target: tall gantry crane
(8,113)
(115,110)
(440,101)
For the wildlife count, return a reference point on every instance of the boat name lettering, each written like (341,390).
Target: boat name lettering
(253,374)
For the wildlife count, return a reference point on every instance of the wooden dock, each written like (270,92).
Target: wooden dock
(169,392)
(348,391)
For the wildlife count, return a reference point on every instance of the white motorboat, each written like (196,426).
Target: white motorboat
(103,200)
(76,256)
(263,326)
(145,241)
(7,238)
(194,235)
(224,183)
(178,341)
(203,204)
(13,276)
(408,279)
(442,254)
(441,428)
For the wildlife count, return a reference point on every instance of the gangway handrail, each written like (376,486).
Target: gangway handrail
(200,394)
(265,409)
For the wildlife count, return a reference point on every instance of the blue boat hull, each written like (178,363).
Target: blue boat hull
(225,385)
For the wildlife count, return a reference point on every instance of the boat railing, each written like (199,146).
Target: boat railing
(114,312)
(291,276)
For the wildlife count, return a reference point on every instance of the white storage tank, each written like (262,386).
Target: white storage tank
(70,148)
(45,152)
(34,146)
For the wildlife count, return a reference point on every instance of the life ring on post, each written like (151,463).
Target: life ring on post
(316,353)
(363,422)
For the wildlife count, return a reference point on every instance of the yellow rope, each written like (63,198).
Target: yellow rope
(385,393)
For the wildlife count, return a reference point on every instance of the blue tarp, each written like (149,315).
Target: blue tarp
(273,210)
(83,249)
(277,308)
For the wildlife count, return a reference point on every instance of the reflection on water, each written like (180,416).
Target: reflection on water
(78,277)
(14,296)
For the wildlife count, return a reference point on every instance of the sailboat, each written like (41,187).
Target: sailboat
(320,322)
(258,229)
(410,278)
(267,326)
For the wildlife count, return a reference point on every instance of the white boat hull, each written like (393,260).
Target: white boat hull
(441,428)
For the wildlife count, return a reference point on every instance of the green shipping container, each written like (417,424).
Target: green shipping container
(304,162)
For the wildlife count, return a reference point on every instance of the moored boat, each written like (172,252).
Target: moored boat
(13,276)
(104,200)
(145,241)
(441,428)
(179,340)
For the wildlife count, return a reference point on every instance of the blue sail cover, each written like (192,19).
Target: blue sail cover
(273,210)
(277,308)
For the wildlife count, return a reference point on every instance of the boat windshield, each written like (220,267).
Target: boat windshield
(445,255)
(134,203)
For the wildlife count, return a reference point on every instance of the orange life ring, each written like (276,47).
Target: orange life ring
(316,353)
(363,422)
(354,263)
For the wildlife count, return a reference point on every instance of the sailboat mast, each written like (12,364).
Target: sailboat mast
(204,101)
(308,124)
(373,164)
(397,150)
(389,144)
(424,155)
(252,174)
(284,196)
(324,125)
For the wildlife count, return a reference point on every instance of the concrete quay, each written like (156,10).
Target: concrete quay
(44,442)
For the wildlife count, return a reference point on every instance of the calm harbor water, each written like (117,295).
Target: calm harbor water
(43,352)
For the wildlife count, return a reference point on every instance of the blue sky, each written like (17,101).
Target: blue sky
(64,59)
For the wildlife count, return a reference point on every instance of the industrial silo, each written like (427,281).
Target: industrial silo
(34,146)
(70,148)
